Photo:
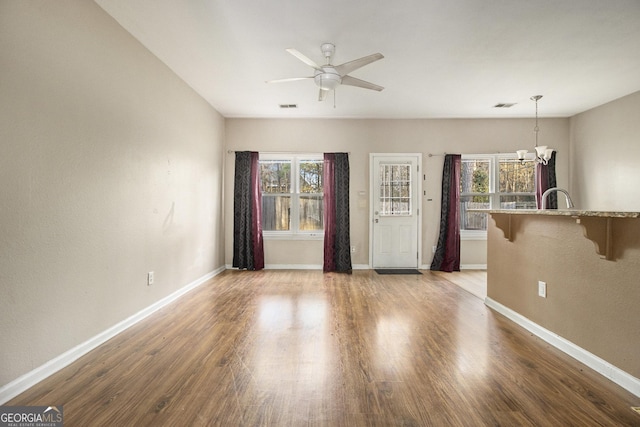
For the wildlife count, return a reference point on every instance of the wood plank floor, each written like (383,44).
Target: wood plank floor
(474,281)
(303,348)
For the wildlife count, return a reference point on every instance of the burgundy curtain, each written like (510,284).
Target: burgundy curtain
(248,250)
(545,179)
(337,242)
(256,213)
(447,256)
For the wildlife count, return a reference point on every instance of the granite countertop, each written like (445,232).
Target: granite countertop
(563,212)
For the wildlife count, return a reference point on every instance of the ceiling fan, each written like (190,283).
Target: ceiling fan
(328,77)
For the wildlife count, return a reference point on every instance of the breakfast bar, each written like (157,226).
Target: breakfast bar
(597,225)
(588,265)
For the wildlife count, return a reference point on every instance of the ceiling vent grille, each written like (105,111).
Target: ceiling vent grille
(505,105)
(288,105)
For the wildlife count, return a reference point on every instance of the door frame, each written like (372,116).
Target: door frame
(372,193)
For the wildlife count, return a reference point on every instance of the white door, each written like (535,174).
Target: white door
(395,209)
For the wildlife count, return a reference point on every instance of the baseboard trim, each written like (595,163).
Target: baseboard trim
(293,266)
(303,267)
(462,267)
(606,369)
(473,267)
(31,378)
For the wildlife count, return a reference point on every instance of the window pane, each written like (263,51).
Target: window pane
(474,176)
(311,176)
(275,176)
(276,212)
(473,220)
(516,177)
(518,202)
(395,189)
(311,212)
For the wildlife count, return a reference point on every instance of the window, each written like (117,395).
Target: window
(497,181)
(292,195)
(395,189)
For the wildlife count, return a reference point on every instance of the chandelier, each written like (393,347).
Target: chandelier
(543,154)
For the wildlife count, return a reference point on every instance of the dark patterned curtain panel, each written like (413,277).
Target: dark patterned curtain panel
(248,251)
(545,179)
(447,256)
(337,242)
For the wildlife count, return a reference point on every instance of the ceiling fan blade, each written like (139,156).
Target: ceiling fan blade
(303,58)
(352,81)
(350,66)
(290,79)
(322,95)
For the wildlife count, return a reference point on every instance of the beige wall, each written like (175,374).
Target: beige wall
(591,302)
(361,137)
(605,151)
(111,167)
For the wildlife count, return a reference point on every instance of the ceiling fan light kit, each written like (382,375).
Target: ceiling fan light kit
(329,77)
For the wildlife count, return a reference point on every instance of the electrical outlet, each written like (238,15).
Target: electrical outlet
(353,249)
(150,278)
(433,249)
(542,289)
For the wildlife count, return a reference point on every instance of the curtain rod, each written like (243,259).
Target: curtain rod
(280,152)
(445,153)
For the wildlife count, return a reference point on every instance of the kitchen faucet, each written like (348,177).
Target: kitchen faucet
(561,190)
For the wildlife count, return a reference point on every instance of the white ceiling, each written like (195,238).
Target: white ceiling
(443,58)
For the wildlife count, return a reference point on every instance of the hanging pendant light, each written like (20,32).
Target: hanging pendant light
(543,154)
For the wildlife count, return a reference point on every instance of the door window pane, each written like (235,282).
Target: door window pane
(395,189)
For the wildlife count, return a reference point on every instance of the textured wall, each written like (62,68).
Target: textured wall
(111,167)
(590,301)
(605,148)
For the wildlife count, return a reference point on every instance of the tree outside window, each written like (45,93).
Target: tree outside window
(495,181)
(292,194)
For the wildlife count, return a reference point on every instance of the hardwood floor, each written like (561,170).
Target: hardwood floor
(298,348)
(473,281)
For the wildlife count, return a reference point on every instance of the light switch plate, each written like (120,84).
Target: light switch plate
(542,289)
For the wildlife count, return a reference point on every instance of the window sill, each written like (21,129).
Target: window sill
(266,235)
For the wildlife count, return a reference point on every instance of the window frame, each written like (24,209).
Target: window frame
(493,194)
(294,233)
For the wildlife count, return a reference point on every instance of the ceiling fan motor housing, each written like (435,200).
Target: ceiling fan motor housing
(328,49)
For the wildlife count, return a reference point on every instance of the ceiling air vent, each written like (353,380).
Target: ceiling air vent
(505,105)
(288,105)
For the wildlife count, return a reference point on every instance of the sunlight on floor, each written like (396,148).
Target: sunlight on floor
(472,281)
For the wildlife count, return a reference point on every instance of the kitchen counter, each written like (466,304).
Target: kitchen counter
(564,212)
(597,225)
